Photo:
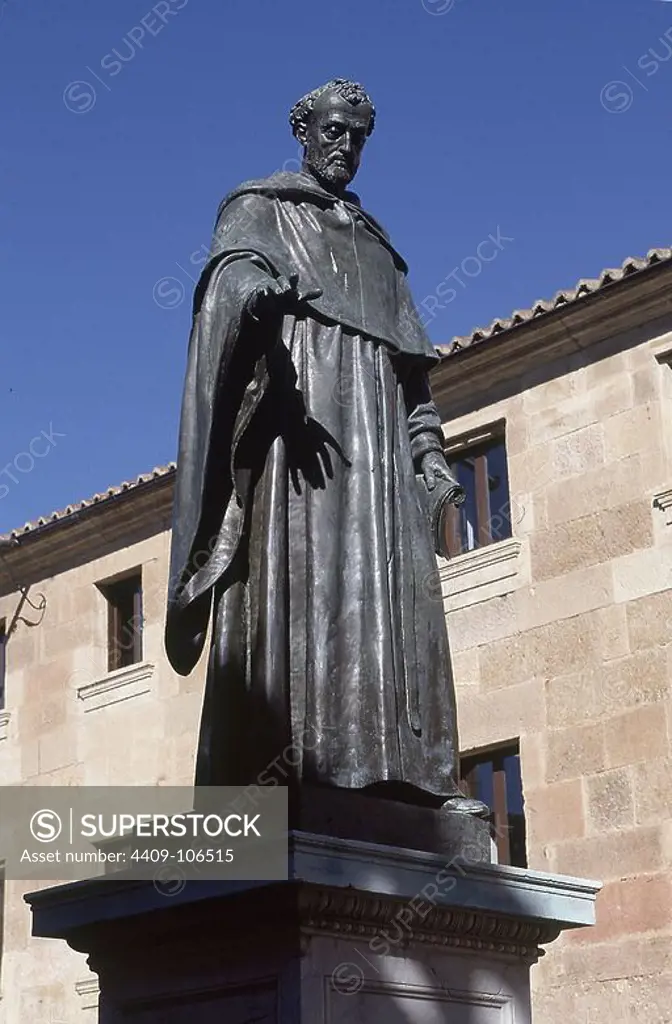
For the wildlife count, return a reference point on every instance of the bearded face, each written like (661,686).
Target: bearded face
(334,139)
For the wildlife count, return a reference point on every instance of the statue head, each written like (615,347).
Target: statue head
(332,124)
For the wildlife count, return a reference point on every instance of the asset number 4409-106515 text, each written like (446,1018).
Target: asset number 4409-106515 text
(187,856)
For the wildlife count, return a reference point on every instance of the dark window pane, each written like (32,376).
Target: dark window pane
(484,782)
(501,816)
(137,623)
(485,516)
(125,623)
(468,514)
(482,499)
(494,777)
(498,482)
(514,786)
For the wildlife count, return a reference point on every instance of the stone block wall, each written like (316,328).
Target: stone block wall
(560,639)
(137,726)
(572,655)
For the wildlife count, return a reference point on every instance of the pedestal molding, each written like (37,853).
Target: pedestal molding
(363,916)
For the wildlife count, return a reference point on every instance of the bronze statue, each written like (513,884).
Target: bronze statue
(310,489)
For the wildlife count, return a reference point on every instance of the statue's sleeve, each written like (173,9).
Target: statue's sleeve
(424,422)
(247,249)
(242,273)
(426,434)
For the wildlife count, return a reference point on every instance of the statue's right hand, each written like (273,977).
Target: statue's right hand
(271,297)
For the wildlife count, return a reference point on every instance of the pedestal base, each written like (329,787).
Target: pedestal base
(351,814)
(359,933)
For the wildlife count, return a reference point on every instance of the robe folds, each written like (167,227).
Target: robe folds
(301,527)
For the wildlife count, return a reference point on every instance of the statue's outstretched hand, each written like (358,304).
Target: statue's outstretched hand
(279,295)
(434,467)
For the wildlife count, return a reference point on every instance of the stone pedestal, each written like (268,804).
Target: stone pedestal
(359,933)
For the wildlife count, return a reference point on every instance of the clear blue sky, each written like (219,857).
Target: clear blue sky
(489,117)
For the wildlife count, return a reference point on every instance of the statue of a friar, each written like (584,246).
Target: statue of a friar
(311,485)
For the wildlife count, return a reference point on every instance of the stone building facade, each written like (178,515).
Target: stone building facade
(559,605)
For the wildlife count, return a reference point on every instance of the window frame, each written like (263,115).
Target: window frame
(476,448)
(500,817)
(120,652)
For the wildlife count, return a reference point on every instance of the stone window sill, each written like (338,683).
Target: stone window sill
(4,724)
(88,991)
(663,501)
(125,683)
(478,575)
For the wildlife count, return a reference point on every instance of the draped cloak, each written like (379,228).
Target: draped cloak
(301,529)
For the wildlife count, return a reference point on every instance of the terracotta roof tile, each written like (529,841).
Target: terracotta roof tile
(87,503)
(585,287)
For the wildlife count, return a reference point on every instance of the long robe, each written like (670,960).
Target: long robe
(300,518)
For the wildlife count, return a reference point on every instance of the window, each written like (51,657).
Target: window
(485,517)
(124,620)
(3,661)
(494,777)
